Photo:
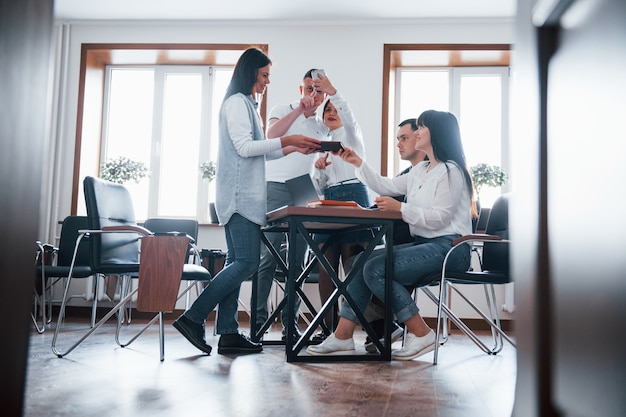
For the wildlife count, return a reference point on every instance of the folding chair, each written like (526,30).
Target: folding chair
(53,264)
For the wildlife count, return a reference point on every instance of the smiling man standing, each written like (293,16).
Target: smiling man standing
(299,117)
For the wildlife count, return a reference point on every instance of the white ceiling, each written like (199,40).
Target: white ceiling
(280,10)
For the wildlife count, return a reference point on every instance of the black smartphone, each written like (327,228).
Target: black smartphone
(331,146)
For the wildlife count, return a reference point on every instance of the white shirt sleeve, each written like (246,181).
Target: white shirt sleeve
(353,137)
(240,132)
(437,202)
(379,184)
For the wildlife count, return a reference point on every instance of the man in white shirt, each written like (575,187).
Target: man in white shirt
(299,117)
(406,148)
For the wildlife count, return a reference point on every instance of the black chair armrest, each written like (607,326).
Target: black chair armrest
(476,237)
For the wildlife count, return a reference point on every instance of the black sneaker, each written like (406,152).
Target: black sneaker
(379,328)
(318,338)
(295,332)
(237,343)
(193,332)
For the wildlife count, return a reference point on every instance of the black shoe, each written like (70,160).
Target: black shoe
(296,334)
(318,338)
(379,328)
(237,343)
(193,332)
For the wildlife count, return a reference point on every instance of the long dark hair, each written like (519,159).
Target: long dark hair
(245,73)
(445,138)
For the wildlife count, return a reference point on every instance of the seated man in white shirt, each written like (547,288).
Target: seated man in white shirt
(375,310)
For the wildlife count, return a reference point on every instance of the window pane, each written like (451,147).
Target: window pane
(420,90)
(129,125)
(180,141)
(169,120)
(221,79)
(481,124)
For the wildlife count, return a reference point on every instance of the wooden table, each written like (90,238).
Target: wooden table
(332,221)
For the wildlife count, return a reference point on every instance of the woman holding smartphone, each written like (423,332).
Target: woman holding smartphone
(337,180)
(439,208)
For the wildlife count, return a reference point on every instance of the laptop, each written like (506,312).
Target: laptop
(302,190)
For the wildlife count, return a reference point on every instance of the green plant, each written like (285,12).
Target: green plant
(208,170)
(122,170)
(487,175)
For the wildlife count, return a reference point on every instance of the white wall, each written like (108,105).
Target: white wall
(352,55)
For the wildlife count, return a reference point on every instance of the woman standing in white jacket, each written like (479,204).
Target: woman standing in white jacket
(337,180)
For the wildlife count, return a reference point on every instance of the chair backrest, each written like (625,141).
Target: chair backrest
(496,255)
(67,241)
(110,204)
(158,225)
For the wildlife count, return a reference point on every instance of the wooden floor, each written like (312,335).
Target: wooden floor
(101,379)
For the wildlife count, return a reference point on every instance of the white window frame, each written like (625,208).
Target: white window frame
(454,75)
(207,148)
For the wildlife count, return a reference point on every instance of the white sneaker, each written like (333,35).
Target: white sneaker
(415,346)
(332,345)
(396,335)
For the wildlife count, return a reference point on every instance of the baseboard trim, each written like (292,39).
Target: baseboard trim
(85,313)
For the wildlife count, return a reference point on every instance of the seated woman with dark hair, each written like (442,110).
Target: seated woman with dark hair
(438,209)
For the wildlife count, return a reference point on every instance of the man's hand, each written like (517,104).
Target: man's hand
(307,102)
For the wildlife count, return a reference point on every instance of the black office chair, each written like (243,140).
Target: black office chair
(189,227)
(494,269)
(53,264)
(115,246)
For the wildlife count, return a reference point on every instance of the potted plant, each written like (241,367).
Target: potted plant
(208,170)
(122,170)
(487,175)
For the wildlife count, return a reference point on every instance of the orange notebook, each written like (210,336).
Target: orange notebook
(331,203)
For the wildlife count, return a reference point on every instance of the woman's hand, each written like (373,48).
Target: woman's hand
(324,85)
(388,204)
(350,156)
(299,143)
(322,162)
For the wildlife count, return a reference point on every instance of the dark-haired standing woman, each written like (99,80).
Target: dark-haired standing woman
(240,202)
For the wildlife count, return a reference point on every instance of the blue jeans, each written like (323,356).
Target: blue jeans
(413,263)
(277,196)
(243,242)
(349,192)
